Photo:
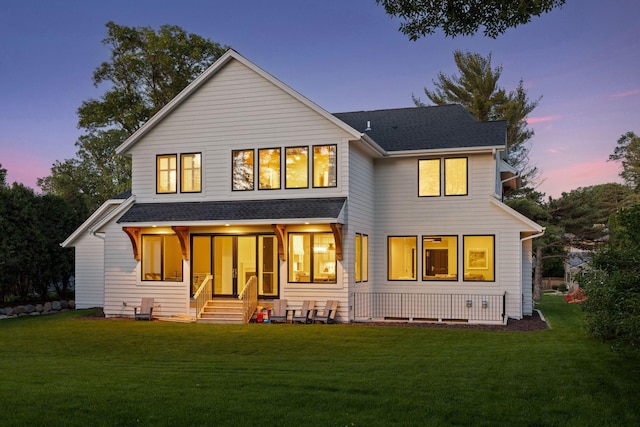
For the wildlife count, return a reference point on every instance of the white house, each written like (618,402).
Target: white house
(397,214)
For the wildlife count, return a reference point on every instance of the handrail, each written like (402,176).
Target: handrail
(203,294)
(249,298)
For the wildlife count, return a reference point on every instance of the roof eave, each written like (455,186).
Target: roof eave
(446,151)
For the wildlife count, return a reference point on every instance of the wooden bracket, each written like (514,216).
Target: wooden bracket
(183,236)
(279,229)
(134,236)
(337,235)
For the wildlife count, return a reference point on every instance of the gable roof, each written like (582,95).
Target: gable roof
(229,55)
(241,210)
(426,128)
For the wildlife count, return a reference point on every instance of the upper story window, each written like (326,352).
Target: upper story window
(190,181)
(242,170)
(297,167)
(269,168)
(166,173)
(430,177)
(324,166)
(455,177)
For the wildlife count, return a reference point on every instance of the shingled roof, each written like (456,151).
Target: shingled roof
(235,210)
(426,128)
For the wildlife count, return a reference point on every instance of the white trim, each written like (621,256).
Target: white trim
(444,151)
(97,219)
(535,227)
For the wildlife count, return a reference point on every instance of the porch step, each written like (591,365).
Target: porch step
(222,311)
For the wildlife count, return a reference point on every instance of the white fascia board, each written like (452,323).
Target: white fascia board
(534,226)
(97,217)
(217,223)
(205,76)
(506,167)
(445,151)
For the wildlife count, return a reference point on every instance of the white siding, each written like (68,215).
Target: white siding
(123,284)
(89,276)
(235,109)
(527,271)
(399,211)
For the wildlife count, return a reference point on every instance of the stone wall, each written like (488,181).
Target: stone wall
(37,309)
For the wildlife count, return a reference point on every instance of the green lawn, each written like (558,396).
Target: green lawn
(63,370)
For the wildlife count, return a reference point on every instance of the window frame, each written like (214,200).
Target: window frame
(286,167)
(252,183)
(414,261)
(312,255)
(439,162)
(424,258)
(279,149)
(183,156)
(490,266)
(162,277)
(335,168)
(170,156)
(466,176)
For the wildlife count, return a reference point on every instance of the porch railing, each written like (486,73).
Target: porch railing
(202,295)
(249,298)
(368,306)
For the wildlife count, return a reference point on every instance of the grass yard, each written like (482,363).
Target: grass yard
(65,370)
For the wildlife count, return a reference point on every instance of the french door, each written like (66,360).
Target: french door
(233,260)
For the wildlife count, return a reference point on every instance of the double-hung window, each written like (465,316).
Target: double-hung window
(166,173)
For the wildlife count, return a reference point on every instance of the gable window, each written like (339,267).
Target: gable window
(166,166)
(401,257)
(269,168)
(455,177)
(430,177)
(190,169)
(296,167)
(312,258)
(362,257)
(479,258)
(324,166)
(242,170)
(161,258)
(440,258)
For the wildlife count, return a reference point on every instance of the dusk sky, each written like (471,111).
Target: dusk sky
(344,55)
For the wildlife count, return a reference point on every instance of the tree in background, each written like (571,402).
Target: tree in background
(147,69)
(628,153)
(464,17)
(613,288)
(476,88)
(32,227)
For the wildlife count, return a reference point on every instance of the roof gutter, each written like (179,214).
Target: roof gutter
(447,151)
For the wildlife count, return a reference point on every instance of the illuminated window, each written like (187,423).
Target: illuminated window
(455,177)
(402,258)
(312,258)
(440,258)
(479,258)
(429,177)
(324,166)
(190,173)
(362,254)
(161,258)
(296,167)
(242,170)
(166,173)
(269,168)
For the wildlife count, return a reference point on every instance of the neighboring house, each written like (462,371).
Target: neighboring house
(397,214)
